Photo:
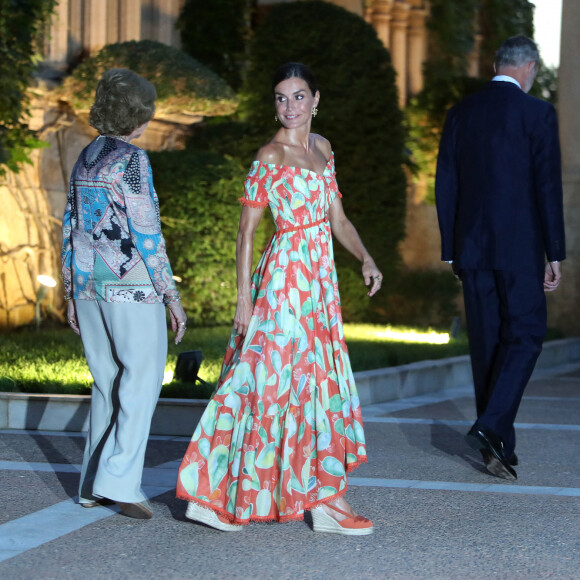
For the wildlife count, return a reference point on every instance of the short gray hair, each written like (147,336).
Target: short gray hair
(516,51)
(123,101)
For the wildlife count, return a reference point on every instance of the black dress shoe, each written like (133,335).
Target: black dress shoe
(486,456)
(482,439)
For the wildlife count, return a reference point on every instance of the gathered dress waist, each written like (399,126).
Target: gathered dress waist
(301,227)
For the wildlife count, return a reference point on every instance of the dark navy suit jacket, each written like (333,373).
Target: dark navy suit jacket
(499,187)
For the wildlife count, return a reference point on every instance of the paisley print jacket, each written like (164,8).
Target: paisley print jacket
(113,248)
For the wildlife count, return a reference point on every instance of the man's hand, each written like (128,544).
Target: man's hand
(552,276)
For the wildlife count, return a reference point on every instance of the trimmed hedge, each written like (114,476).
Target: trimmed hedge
(358,113)
(214,33)
(425,299)
(184,86)
(200,213)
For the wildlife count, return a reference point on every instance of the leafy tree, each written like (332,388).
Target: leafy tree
(215,34)
(358,113)
(22,23)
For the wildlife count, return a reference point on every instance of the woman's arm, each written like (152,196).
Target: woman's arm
(346,234)
(249,220)
(145,229)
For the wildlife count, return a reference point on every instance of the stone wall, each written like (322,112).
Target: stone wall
(33,202)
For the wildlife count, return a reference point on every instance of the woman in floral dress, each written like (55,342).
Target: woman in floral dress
(285,426)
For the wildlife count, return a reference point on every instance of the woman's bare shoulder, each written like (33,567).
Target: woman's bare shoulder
(271,153)
(323,144)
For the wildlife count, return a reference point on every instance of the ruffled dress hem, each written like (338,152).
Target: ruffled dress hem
(281,519)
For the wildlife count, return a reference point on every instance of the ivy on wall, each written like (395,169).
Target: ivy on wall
(452,27)
(22,25)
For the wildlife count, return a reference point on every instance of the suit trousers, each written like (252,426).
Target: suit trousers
(506,323)
(126,350)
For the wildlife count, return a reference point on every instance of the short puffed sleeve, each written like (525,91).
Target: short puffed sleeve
(257,185)
(330,177)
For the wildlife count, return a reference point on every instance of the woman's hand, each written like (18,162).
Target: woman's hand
(178,320)
(243,315)
(372,275)
(71,315)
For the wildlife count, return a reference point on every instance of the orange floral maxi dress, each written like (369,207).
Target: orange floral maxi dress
(284,426)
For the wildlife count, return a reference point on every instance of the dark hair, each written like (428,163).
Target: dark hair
(123,101)
(516,51)
(292,70)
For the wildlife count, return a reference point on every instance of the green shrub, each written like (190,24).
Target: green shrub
(198,194)
(184,86)
(424,298)
(358,113)
(226,136)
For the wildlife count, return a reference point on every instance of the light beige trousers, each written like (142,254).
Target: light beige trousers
(126,349)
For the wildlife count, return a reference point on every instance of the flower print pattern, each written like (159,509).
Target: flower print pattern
(284,426)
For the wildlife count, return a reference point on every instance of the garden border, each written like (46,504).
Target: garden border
(179,417)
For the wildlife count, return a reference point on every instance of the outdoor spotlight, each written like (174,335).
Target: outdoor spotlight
(187,367)
(46,280)
(178,279)
(45,283)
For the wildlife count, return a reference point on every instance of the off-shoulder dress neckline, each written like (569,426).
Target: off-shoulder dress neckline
(298,168)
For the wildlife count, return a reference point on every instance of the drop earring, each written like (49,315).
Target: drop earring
(314,111)
(276,118)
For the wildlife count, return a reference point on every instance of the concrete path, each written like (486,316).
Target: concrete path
(437,512)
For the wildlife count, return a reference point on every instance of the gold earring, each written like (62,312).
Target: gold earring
(314,111)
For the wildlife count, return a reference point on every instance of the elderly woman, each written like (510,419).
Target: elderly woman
(285,424)
(117,279)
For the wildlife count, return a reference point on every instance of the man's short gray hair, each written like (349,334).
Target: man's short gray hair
(516,52)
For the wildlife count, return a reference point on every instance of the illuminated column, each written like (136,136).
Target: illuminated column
(167,12)
(130,20)
(399,24)
(473,69)
(564,303)
(95,21)
(417,49)
(114,21)
(57,50)
(76,29)
(381,19)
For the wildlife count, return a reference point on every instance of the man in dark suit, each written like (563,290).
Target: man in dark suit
(499,204)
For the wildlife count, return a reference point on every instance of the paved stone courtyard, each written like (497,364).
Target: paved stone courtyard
(437,513)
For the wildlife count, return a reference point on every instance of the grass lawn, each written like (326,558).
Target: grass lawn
(52,361)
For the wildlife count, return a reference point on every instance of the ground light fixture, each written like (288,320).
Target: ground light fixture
(46,282)
(187,367)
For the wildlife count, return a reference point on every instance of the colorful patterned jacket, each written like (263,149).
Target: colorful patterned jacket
(113,249)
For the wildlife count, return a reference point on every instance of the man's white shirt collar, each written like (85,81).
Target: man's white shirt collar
(506,79)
